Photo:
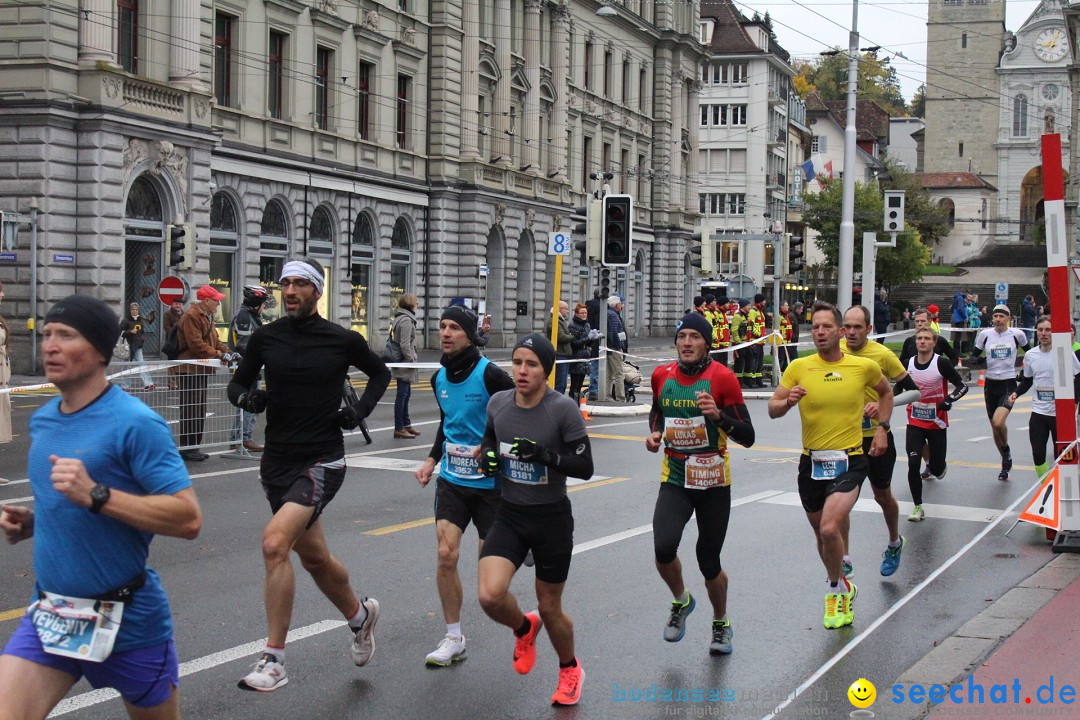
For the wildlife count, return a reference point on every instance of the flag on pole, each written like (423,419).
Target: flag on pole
(828,169)
(808,170)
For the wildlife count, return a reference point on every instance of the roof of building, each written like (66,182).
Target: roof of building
(871,120)
(956,180)
(729,33)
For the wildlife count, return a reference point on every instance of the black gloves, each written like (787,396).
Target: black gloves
(526,449)
(348,418)
(254,401)
(489,463)
(945,405)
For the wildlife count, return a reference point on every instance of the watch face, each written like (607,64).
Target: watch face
(1050,91)
(1051,45)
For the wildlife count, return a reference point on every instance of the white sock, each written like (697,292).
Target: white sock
(895,544)
(357,620)
(278,653)
(684,598)
(847,559)
(453,629)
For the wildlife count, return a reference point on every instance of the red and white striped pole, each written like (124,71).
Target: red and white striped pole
(1057,254)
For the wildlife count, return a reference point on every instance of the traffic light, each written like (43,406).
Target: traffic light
(605,283)
(894,211)
(794,254)
(618,230)
(177,246)
(703,256)
(590,243)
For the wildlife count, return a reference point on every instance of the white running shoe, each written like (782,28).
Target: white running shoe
(267,676)
(451,649)
(363,644)
(917,514)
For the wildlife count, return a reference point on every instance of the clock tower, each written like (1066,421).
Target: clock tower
(964,42)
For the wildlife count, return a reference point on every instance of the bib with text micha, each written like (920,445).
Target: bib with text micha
(527,472)
(461,461)
(828,464)
(1045,394)
(686,433)
(80,628)
(705,471)
(923,411)
(1001,352)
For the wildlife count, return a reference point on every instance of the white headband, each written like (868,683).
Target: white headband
(299,268)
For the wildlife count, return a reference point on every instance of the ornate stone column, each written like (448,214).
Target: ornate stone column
(502,86)
(97,32)
(532,95)
(184,45)
(470,120)
(560,70)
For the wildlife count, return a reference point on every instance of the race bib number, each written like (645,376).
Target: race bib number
(923,411)
(686,433)
(705,471)
(1044,394)
(525,472)
(1001,352)
(461,461)
(80,628)
(828,464)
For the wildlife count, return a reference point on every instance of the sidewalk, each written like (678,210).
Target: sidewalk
(1027,639)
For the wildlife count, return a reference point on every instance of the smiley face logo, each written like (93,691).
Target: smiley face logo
(862,693)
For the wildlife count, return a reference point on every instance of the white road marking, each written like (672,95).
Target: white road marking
(979,438)
(943,512)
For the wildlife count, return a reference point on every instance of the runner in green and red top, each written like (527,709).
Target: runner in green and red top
(697,406)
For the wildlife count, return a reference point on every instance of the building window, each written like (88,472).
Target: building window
(403,5)
(223,61)
(363,260)
(626,83)
(961,151)
(641,186)
(819,144)
(586,158)
(982,214)
(273,248)
(703,33)
(588,65)
(736,204)
(739,73)
(404,90)
(400,261)
(128,45)
(963,40)
(321,234)
(643,88)
(738,114)
(608,59)
(364,75)
(1019,120)
(323,59)
(275,61)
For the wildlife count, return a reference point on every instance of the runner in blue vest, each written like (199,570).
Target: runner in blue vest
(462,388)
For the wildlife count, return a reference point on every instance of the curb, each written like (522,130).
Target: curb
(617,410)
(960,655)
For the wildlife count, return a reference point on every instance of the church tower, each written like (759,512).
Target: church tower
(964,41)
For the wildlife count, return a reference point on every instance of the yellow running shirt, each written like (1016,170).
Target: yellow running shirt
(832,408)
(890,366)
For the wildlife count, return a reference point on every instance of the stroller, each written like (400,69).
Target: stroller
(631,379)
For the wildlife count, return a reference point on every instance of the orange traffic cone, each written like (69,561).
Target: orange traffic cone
(584,409)
(982,378)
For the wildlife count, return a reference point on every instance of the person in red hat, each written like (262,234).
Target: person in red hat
(933,310)
(198,341)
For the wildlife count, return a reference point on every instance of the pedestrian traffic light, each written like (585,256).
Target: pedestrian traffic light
(617,229)
(177,246)
(587,236)
(894,211)
(795,261)
(703,255)
(605,283)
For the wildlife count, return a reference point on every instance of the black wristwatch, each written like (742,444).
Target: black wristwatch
(885,424)
(99,495)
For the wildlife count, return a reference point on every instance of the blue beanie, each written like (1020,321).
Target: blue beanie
(695,321)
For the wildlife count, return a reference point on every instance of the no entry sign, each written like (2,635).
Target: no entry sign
(171,289)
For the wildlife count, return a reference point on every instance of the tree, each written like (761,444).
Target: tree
(918,103)
(877,80)
(926,223)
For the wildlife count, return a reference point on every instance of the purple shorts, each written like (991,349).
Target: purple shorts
(144,677)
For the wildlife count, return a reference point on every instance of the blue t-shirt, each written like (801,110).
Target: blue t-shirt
(464,408)
(127,446)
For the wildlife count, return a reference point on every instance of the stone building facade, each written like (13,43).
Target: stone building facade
(410,146)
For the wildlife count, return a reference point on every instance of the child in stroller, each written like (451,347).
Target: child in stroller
(631,379)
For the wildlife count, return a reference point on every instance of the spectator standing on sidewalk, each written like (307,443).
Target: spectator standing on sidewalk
(563,349)
(1028,315)
(248,318)
(403,332)
(133,328)
(616,338)
(198,341)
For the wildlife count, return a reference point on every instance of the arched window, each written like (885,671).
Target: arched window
(400,261)
(224,240)
(143,202)
(363,262)
(1020,112)
(950,207)
(273,248)
(321,234)
(224,228)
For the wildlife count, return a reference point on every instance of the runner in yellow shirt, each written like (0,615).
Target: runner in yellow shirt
(829,387)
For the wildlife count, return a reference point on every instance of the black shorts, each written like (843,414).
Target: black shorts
(547,530)
(996,395)
(311,484)
(813,492)
(460,504)
(879,469)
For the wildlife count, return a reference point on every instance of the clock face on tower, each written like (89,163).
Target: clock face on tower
(1051,45)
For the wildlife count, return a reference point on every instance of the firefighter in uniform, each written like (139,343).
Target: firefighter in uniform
(755,360)
(740,330)
(786,352)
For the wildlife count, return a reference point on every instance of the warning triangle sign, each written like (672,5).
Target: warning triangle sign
(1043,508)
